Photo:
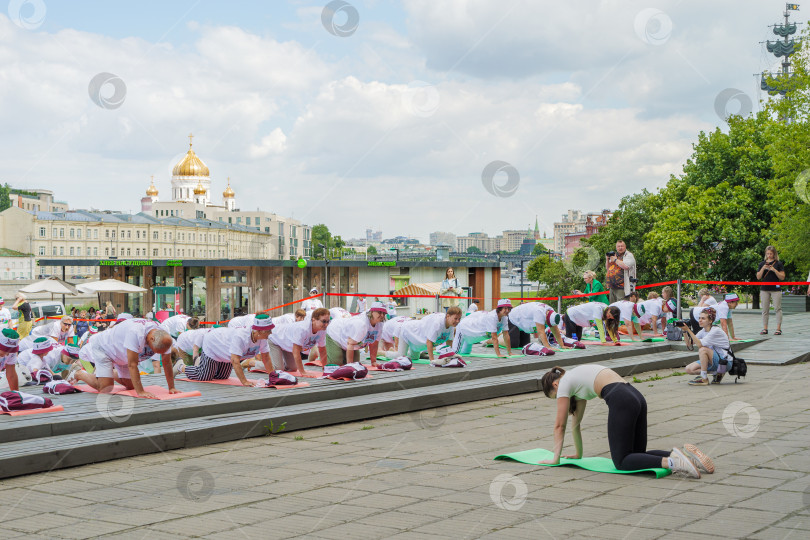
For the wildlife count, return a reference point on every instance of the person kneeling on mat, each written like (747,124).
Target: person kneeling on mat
(425,334)
(480,326)
(345,338)
(713,346)
(224,349)
(534,318)
(630,313)
(604,318)
(626,422)
(290,340)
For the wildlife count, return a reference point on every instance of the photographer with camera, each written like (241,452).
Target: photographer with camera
(620,277)
(713,346)
(771,269)
(722,311)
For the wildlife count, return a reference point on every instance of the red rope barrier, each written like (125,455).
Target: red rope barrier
(751,283)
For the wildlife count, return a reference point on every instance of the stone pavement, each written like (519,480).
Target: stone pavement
(430,475)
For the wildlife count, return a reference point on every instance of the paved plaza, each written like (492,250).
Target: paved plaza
(431,475)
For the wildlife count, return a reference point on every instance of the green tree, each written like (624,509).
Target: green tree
(320,235)
(5,199)
(558,279)
(371,250)
(473,249)
(538,250)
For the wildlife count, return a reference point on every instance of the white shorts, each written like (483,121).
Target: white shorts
(104,366)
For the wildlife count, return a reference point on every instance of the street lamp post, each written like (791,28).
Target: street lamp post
(326,272)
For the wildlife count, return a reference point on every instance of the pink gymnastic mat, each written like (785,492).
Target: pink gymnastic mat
(306,374)
(159,392)
(55,408)
(261,383)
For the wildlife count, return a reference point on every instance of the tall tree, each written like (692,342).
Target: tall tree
(5,199)
(320,235)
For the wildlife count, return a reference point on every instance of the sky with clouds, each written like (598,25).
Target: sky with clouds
(374,113)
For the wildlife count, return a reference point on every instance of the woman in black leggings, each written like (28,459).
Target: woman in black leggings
(627,421)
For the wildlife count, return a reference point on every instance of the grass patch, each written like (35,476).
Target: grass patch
(366,428)
(657,377)
(299,437)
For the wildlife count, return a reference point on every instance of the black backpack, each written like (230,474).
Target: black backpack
(673,332)
(738,366)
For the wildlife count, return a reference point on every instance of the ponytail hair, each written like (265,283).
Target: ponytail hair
(547,383)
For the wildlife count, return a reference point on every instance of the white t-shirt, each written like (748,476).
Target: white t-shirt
(472,308)
(715,339)
(244,321)
(129,335)
(188,340)
(362,305)
(723,312)
(583,314)
(578,381)
(298,333)
(393,328)
(626,309)
(5,316)
(710,301)
(357,328)
(530,316)
(175,325)
(8,360)
(35,362)
(483,322)
(430,328)
(85,338)
(220,343)
(339,313)
(311,305)
(654,308)
(287,318)
(52,330)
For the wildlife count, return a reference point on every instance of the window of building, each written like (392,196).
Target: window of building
(154,235)
(61,233)
(129,234)
(292,231)
(95,234)
(61,251)
(42,232)
(78,233)
(154,252)
(53,232)
(42,250)
(113,252)
(72,251)
(128,252)
(95,251)
(106,233)
(106,252)
(78,251)
(112,234)
(170,236)
(230,220)
(247,220)
(72,233)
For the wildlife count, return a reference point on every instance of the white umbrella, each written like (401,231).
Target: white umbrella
(52,285)
(109,286)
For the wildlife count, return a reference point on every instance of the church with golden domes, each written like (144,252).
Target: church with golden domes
(191,198)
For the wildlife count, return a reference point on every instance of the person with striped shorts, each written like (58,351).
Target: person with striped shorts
(223,349)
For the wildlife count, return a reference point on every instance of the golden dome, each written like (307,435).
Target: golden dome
(199,190)
(228,193)
(190,165)
(152,191)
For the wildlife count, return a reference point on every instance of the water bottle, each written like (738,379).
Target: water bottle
(574,336)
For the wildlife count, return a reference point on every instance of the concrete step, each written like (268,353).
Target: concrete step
(353,402)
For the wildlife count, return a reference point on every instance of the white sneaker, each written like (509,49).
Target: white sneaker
(682,464)
(178,367)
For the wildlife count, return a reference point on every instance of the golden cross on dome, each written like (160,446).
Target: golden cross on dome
(190,137)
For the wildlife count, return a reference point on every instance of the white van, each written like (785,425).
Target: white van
(40,310)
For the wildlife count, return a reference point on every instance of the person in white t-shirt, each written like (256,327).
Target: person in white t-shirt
(118,350)
(9,347)
(391,332)
(362,305)
(345,338)
(224,349)
(631,313)
(626,421)
(312,303)
(178,324)
(288,318)
(418,335)
(534,317)
(473,307)
(5,315)
(481,326)
(289,341)
(723,310)
(188,345)
(705,298)
(59,331)
(604,318)
(46,355)
(713,350)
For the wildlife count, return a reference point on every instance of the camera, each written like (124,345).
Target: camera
(611,253)
(681,323)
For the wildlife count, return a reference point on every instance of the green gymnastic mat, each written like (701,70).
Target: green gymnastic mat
(595,464)
(653,339)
